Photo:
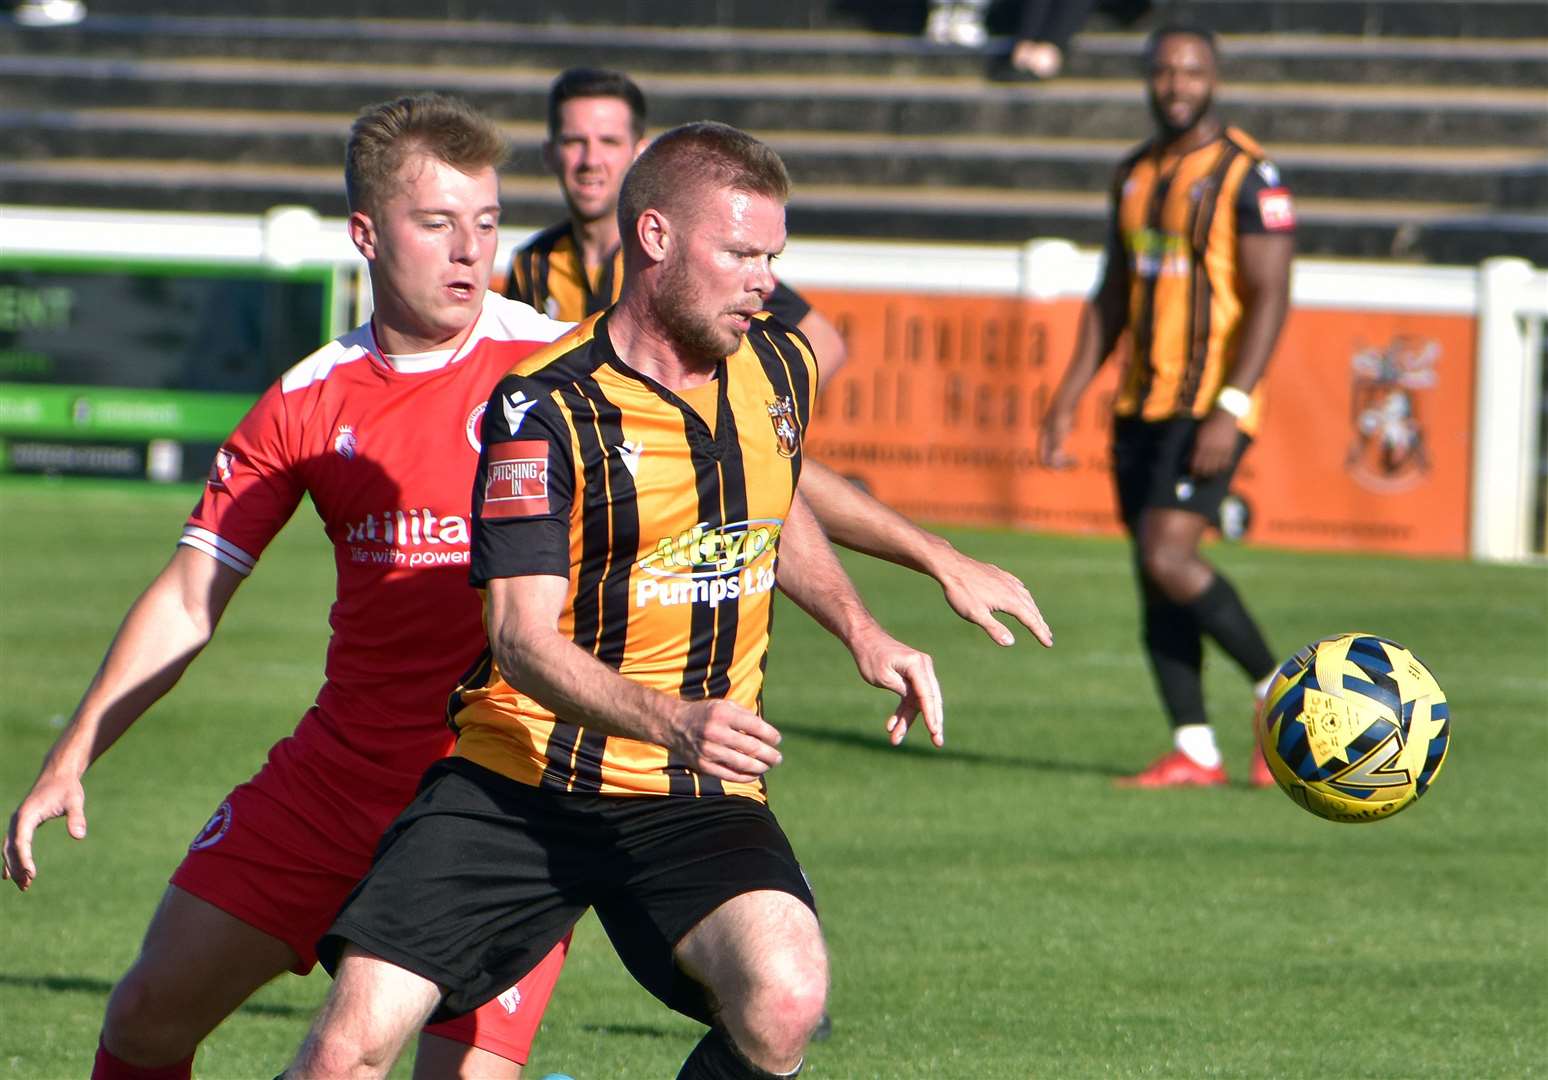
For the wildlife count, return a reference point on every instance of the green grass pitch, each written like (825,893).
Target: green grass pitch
(994,908)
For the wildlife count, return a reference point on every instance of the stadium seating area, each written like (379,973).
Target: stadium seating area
(1409,128)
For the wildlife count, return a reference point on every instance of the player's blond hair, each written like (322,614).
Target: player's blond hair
(681,164)
(387,134)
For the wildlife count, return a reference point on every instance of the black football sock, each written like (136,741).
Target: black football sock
(1176,654)
(1221,614)
(715,1058)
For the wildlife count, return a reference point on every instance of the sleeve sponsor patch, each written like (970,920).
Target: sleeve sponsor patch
(1276,209)
(516,479)
(220,468)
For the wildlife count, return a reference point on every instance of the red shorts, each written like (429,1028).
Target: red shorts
(269,857)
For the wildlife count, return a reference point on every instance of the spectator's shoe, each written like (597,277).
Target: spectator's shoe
(937,29)
(49,12)
(1176,769)
(967,27)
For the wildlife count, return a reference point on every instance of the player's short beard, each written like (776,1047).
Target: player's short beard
(1171,130)
(677,306)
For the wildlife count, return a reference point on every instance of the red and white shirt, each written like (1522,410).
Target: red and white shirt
(388,458)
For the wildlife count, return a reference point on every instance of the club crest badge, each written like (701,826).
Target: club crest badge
(214,829)
(1388,450)
(344,443)
(782,416)
(474,427)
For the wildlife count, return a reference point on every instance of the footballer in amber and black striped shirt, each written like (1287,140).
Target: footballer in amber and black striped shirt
(1198,275)
(663,509)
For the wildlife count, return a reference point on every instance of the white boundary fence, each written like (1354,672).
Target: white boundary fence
(1509,297)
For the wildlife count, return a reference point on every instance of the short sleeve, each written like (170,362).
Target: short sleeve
(787,305)
(524,487)
(253,488)
(1263,203)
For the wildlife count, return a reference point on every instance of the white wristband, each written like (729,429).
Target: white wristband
(1236,402)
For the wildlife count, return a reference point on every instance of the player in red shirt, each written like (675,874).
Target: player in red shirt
(381,429)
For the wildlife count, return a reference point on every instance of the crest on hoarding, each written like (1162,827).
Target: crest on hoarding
(1388,450)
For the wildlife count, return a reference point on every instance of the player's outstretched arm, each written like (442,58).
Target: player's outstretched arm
(164,630)
(716,737)
(975,590)
(810,574)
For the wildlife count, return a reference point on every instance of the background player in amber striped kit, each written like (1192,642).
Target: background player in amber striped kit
(1198,272)
(596,127)
(639,499)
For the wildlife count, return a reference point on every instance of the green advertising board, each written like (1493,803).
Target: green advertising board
(141,368)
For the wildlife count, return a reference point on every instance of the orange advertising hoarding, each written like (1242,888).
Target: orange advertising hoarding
(1365,445)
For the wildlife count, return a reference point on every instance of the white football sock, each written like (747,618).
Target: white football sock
(1260,689)
(1198,742)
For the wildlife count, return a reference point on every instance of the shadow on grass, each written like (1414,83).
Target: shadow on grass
(878,744)
(645,1031)
(77,984)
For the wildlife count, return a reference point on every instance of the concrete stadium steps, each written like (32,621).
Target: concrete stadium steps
(1406,140)
(1103,109)
(1438,231)
(1274,58)
(1431,18)
(1500,177)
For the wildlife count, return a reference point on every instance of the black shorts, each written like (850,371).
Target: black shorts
(1150,470)
(482,875)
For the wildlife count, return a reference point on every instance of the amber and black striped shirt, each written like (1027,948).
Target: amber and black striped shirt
(666,526)
(1176,220)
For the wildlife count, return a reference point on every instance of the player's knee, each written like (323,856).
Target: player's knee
(784,1009)
(1165,564)
(142,1025)
(337,1054)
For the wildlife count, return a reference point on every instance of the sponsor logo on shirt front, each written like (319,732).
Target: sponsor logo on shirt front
(707,564)
(408,537)
(1158,254)
(516,479)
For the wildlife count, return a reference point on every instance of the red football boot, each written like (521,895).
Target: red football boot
(1260,775)
(1176,769)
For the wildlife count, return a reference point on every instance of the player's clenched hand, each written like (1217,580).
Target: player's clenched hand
(886,662)
(51,797)
(720,738)
(1051,434)
(1214,445)
(976,590)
